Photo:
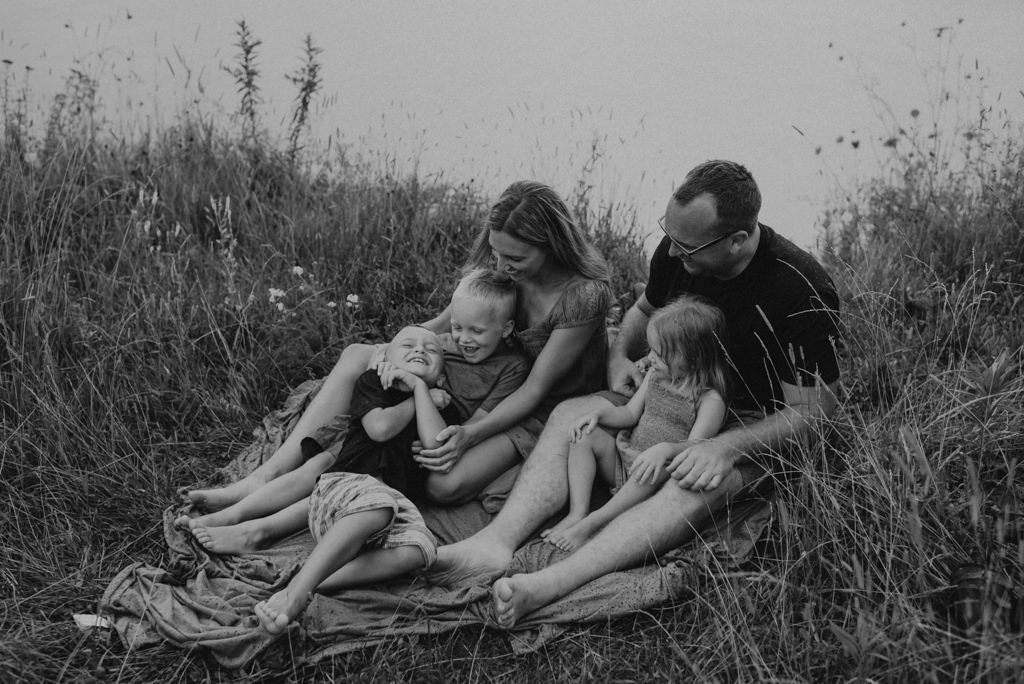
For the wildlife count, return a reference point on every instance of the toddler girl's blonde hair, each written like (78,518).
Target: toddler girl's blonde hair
(691,334)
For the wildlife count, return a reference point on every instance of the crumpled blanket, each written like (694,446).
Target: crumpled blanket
(199,600)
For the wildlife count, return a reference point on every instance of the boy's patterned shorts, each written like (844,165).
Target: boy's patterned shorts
(339,494)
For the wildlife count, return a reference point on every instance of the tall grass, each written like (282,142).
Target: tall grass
(160,293)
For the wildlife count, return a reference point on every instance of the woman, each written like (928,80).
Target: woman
(563,292)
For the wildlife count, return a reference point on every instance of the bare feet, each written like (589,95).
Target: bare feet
(280,610)
(470,561)
(244,537)
(219,497)
(514,598)
(563,524)
(569,538)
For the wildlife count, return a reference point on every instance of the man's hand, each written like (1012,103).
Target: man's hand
(623,376)
(703,465)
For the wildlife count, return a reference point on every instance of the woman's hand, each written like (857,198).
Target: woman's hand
(455,441)
(585,424)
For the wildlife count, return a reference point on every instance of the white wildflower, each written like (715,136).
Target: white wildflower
(332,305)
(298,270)
(275,294)
(352,301)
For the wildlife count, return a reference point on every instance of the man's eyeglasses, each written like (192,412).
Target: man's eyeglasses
(686,252)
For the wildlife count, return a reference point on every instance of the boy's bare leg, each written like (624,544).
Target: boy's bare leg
(341,544)
(256,534)
(475,470)
(268,498)
(597,448)
(372,566)
(662,522)
(537,495)
(333,399)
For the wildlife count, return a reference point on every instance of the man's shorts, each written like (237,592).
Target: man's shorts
(339,494)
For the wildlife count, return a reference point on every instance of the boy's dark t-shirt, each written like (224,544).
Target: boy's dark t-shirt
(391,462)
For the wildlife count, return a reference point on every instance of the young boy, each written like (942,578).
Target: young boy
(480,369)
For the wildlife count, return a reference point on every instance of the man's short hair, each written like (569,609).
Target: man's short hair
(737,198)
(488,286)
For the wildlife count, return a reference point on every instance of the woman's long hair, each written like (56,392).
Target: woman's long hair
(691,334)
(534,213)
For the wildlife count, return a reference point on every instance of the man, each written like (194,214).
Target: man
(781,309)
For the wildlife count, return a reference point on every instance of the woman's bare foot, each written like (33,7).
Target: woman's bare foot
(244,537)
(570,538)
(470,561)
(562,525)
(516,597)
(280,610)
(220,497)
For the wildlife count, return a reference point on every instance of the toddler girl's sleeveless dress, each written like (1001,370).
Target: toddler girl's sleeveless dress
(668,417)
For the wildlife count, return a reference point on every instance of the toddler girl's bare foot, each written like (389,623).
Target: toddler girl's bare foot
(230,539)
(563,524)
(570,538)
(280,610)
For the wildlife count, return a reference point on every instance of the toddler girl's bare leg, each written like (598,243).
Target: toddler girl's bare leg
(630,494)
(475,470)
(596,450)
(253,535)
(372,566)
(333,399)
(341,544)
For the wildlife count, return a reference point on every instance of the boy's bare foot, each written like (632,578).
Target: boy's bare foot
(562,525)
(244,537)
(280,610)
(516,597)
(570,538)
(470,561)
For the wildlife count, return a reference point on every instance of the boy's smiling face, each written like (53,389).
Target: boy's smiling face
(478,327)
(418,351)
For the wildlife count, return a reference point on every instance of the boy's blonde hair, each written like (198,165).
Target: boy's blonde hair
(692,330)
(490,287)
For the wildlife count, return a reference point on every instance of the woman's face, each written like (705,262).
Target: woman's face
(517,259)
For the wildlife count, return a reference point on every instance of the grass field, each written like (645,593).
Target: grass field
(159,295)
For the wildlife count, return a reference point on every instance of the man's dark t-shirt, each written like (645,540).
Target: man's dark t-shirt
(781,312)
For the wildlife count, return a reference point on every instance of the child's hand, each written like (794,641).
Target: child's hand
(584,426)
(440,398)
(390,376)
(648,466)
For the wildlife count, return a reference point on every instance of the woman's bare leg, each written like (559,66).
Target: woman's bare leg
(269,498)
(475,470)
(333,400)
(256,534)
